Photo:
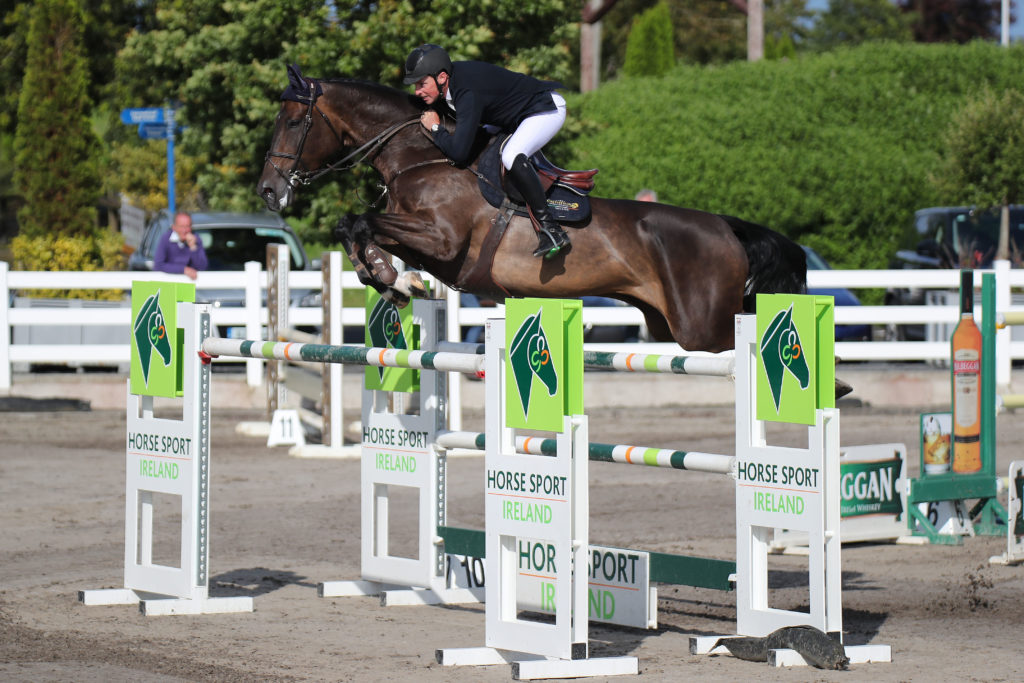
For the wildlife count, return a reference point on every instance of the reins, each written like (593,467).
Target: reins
(297,176)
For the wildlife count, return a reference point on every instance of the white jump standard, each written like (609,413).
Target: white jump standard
(169,457)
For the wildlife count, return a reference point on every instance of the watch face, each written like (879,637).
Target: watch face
(434,128)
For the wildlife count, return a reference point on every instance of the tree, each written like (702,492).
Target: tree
(851,22)
(224,63)
(708,31)
(953,21)
(649,51)
(983,163)
(54,146)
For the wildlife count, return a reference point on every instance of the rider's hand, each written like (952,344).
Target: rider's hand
(429,118)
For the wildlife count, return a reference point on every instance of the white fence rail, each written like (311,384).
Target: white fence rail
(252,316)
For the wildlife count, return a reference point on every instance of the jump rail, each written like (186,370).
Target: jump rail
(693,461)
(444,361)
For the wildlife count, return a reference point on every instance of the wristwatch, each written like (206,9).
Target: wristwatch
(436,127)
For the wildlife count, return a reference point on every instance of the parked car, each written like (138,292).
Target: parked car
(842,296)
(951,237)
(230,240)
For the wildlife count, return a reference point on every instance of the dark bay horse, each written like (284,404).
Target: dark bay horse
(689,272)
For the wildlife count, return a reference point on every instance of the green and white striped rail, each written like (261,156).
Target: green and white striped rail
(630,455)
(463,360)
(716,366)
(345,355)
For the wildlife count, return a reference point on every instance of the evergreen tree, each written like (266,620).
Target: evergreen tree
(983,160)
(649,51)
(54,145)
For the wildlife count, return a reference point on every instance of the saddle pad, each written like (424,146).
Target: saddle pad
(565,203)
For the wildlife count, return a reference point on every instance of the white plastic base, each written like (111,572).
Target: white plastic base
(527,667)
(158,605)
(1006,559)
(398,596)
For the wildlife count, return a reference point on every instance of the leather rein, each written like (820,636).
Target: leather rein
(300,176)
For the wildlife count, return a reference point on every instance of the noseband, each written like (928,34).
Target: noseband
(301,176)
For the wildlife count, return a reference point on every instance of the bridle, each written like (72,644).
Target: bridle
(296,176)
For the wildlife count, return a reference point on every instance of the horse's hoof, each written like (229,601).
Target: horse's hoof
(411,284)
(842,388)
(395,297)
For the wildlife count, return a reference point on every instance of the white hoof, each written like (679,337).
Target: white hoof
(411,284)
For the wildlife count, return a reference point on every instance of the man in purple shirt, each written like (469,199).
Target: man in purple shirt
(179,250)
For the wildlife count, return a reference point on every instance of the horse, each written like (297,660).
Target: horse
(688,271)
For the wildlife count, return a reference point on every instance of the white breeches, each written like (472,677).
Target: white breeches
(534,132)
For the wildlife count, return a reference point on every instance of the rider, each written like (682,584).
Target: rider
(484,94)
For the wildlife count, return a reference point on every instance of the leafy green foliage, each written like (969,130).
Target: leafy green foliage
(56,252)
(707,31)
(834,150)
(54,146)
(225,64)
(649,51)
(851,22)
(983,159)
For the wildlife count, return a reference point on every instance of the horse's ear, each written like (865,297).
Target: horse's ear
(295,78)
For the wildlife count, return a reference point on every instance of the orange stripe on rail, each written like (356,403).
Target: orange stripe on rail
(629,362)
(381,357)
(629,454)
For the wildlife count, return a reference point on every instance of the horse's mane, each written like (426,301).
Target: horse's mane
(379,92)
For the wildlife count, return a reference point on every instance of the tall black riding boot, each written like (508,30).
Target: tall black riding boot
(552,239)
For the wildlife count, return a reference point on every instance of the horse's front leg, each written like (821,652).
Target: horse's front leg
(371,266)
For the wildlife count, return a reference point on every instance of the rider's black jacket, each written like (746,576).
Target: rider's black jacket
(486,94)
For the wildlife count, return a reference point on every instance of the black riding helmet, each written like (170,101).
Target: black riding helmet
(426,60)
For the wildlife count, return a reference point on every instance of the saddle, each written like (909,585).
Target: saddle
(567,200)
(566,190)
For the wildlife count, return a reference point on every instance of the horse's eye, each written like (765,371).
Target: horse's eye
(294,123)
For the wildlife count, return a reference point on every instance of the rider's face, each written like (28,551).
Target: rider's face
(429,89)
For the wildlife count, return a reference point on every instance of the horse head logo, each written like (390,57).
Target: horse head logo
(385,326)
(530,356)
(151,334)
(782,351)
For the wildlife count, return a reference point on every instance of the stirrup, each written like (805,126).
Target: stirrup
(551,243)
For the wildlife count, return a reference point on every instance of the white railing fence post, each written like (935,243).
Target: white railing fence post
(454,333)
(332,332)
(253,323)
(1003,302)
(5,329)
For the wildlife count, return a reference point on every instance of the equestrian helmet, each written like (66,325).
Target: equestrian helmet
(426,60)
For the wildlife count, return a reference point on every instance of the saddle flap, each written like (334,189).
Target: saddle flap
(584,180)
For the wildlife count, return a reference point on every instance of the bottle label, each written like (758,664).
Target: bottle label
(966,385)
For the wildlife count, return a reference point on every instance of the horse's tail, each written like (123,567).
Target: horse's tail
(777,264)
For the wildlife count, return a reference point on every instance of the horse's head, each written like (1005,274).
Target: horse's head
(151,334)
(318,119)
(304,138)
(782,351)
(530,355)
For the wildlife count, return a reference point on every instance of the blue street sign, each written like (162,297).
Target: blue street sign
(153,131)
(143,115)
(155,124)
